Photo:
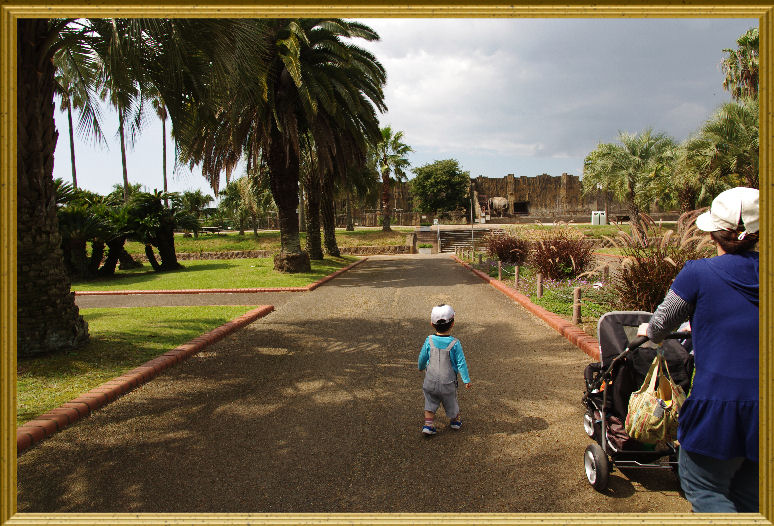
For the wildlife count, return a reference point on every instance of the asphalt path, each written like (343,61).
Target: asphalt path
(318,408)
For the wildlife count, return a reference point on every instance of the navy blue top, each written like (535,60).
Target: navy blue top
(720,417)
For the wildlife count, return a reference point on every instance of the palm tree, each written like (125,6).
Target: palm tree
(725,152)
(121,80)
(310,179)
(162,47)
(392,152)
(232,204)
(194,203)
(161,111)
(362,185)
(630,171)
(741,66)
(311,82)
(75,80)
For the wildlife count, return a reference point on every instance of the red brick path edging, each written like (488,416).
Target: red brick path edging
(574,334)
(307,288)
(47,424)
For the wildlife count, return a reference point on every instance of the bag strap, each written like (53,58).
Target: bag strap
(650,379)
(452,344)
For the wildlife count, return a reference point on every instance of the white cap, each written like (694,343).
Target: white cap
(728,208)
(441,313)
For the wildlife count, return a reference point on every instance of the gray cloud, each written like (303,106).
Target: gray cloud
(553,88)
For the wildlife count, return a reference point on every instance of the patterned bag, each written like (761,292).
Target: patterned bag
(653,410)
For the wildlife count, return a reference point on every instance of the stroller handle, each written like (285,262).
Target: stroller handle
(639,340)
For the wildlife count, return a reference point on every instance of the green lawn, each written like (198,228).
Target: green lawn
(215,274)
(121,339)
(269,240)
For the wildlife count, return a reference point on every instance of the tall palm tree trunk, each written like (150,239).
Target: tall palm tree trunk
(283,170)
(47,317)
(329,215)
(301,210)
(164,159)
(350,221)
(123,154)
(72,142)
(313,237)
(386,214)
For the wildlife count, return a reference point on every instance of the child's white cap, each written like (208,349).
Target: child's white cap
(441,314)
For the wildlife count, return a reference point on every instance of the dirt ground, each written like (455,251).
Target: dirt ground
(318,408)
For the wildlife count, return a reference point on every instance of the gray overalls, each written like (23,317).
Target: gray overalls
(440,385)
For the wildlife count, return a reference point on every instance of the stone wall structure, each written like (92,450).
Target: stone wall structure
(543,195)
(540,198)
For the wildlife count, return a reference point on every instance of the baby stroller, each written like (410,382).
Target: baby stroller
(625,360)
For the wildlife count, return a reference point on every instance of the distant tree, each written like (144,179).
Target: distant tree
(724,154)
(392,159)
(440,186)
(233,204)
(194,203)
(630,171)
(75,80)
(741,67)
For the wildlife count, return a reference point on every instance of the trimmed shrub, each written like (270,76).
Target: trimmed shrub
(511,250)
(561,252)
(648,268)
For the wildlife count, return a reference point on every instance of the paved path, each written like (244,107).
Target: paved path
(318,406)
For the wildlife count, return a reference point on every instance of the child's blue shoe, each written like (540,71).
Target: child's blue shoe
(455,424)
(429,430)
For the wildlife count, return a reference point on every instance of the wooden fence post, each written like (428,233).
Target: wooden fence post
(540,285)
(499,271)
(480,258)
(516,276)
(576,306)
(606,273)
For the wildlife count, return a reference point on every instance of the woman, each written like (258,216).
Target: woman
(718,431)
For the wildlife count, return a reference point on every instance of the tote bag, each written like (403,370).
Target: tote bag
(653,410)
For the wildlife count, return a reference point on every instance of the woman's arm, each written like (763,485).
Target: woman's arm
(673,311)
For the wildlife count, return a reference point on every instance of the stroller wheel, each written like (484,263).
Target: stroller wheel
(588,425)
(597,467)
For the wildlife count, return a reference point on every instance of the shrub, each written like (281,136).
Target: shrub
(648,268)
(425,245)
(560,253)
(509,249)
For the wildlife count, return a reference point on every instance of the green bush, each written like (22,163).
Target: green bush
(425,245)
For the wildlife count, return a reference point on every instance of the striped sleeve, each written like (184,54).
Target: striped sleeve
(673,311)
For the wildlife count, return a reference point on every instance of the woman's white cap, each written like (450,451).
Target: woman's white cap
(441,313)
(728,208)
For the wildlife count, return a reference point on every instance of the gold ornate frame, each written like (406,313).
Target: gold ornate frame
(12,10)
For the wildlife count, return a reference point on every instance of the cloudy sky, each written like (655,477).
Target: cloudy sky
(521,96)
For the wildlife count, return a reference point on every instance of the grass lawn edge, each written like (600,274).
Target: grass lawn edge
(574,334)
(53,421)
(307,288)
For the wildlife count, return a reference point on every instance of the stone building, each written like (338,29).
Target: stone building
(542,198)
